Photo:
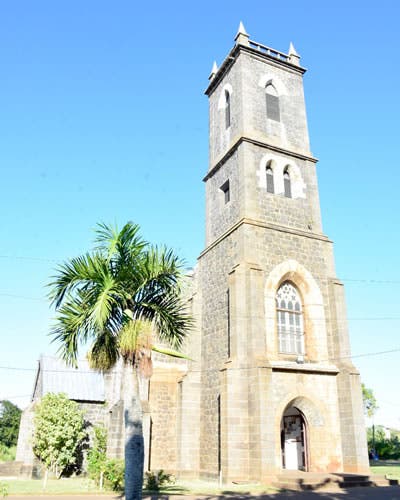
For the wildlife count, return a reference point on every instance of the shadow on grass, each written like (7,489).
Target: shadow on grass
(362,493)
(166,491)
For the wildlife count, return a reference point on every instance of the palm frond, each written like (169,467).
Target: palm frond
(169,317)
(104,297)
(119,245)
(79,272)
(170,352)
(73,326)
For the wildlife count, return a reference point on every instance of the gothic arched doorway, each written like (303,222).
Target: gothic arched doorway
(294,440)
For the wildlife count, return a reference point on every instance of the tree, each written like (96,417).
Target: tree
(369,401)
(386,445)
(122,296)
(10,417)
(59,432)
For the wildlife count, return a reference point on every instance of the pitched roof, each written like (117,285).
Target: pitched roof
(80,384)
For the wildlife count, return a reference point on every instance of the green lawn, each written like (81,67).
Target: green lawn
(82,486)
(35,486)
(387,468)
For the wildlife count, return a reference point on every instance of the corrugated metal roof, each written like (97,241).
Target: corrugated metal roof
(82,383)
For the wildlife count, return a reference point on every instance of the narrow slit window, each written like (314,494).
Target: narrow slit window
(226,192)
(272,100)
(227,109)
(270,179)
(287,184)
(228,322)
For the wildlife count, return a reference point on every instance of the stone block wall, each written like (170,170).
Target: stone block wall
(163,406)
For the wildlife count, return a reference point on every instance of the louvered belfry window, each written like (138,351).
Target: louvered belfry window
(270,179)
(227,109)
(290,319)
(273,111)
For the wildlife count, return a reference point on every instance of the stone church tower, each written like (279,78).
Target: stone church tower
(273,386)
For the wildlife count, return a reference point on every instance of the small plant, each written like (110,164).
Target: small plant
(3,489)
(114,474)
(155,480)
(7,454)
(96,457)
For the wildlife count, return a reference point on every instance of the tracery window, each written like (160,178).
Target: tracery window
(289,319)
(270,179)
(227,109)
(272,100)
(287,184)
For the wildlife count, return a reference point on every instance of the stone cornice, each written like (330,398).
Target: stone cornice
(266,225)
(264,145)
(284,366)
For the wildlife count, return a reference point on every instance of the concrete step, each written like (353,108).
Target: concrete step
(306,481)
(381,480)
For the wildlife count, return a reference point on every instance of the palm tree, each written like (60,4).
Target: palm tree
(120,298)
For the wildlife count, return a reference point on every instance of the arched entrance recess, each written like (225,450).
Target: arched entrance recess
(300,418)
(294,442)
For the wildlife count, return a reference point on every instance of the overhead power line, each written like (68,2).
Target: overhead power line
(364,355)
(347,280)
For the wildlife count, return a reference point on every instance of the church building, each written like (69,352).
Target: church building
(271,385)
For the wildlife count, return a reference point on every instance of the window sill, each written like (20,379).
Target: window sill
(294,366)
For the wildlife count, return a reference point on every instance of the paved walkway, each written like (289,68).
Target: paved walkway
(364,493)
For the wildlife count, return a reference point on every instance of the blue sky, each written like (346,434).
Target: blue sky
(103,118)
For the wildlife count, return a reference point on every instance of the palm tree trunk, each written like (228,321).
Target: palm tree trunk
(134,443)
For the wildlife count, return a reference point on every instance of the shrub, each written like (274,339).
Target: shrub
(114,474)
(59,432)
(155,480)
(10,416)
(387,448)
(3,489)
(96,457)
(102,469)
(7,454)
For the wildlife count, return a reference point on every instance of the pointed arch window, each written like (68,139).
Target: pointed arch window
(289,319)
(270,179)
(227,109)
(287,184)
(272,100)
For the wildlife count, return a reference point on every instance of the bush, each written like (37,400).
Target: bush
(3,489)
(96,457)
(59,432)
(114,474)
(10,417)
(7,454)
(386,448)
(155,480)
(102,469)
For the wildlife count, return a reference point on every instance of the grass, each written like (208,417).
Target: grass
(182,487)
(198,487)
(54,486)
(388,468)
(83,485)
